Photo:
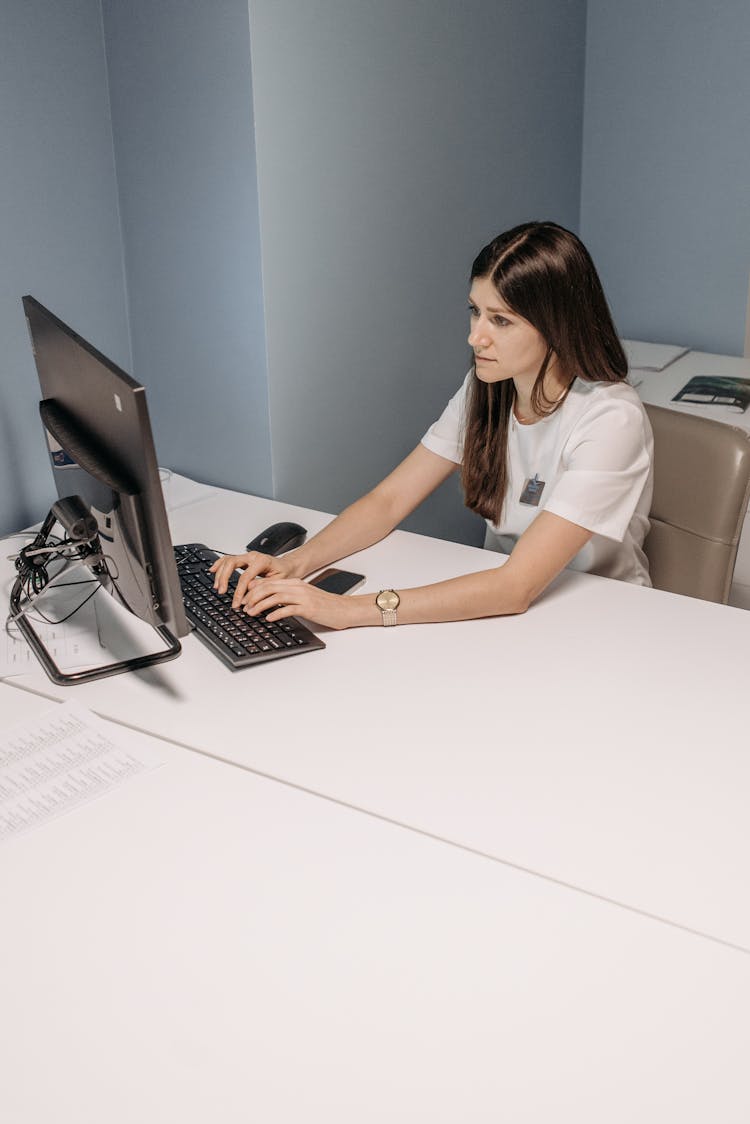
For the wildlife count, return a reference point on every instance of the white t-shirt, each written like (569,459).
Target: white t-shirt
(590,462)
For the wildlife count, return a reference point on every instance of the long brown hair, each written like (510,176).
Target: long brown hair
(545,274)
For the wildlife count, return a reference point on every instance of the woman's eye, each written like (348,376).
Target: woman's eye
(500,321)
(473,310)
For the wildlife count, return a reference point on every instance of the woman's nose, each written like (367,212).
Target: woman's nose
(478,336)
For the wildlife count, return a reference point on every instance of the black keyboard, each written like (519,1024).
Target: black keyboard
(236,638)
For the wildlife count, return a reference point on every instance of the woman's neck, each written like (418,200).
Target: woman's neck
(556,386)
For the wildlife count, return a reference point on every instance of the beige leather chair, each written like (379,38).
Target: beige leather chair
(701,490)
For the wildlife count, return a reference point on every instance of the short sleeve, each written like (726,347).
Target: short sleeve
(446,436)
(606,468)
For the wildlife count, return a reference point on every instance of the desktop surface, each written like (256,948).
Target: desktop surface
(660,387)
(205,944)
(599,739)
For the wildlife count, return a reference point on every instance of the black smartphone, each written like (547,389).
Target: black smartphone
(338,581)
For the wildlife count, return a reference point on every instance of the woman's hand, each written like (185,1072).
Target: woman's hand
(253,565)
(290,597)
(267,582)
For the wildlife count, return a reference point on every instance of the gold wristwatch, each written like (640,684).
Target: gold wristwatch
(388,602)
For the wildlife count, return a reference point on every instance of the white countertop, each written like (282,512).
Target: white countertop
(599,740)
(206,945)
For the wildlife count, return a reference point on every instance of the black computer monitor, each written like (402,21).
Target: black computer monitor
(102,450)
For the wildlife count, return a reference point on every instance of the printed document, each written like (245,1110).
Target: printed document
(73,643)
(60,761)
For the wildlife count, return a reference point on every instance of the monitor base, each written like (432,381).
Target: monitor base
(32,570)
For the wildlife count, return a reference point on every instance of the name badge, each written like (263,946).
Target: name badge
(532,491)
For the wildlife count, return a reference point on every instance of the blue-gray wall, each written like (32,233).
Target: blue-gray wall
(393,141)
(665,203)
(182,115)
(59,225)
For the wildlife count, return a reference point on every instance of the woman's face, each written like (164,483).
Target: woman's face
(505,345)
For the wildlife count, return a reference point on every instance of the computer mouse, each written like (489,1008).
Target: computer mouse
(278,538)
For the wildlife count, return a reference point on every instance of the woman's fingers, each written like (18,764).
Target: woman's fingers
(271,591)
(274,609)
(223,568)
(252,564)
(292,597)
(254,567)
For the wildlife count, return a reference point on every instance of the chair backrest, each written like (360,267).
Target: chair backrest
(701,490)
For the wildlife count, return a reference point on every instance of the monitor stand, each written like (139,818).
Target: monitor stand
(40,649)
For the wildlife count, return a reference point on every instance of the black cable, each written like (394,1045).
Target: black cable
(84,581)
(72,612)
(35,577)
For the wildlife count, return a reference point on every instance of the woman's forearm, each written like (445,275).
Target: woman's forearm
(363,523)
(488,593)
(374,516)
(548,545)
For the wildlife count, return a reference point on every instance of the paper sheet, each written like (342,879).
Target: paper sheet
(60,761)
(651,356)
(72,644)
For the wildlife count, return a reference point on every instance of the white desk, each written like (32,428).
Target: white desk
(204,945)
(659,387)
(626,774)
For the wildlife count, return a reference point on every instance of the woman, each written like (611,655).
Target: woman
(553,445)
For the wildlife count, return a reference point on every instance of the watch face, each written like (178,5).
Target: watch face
(388,600)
